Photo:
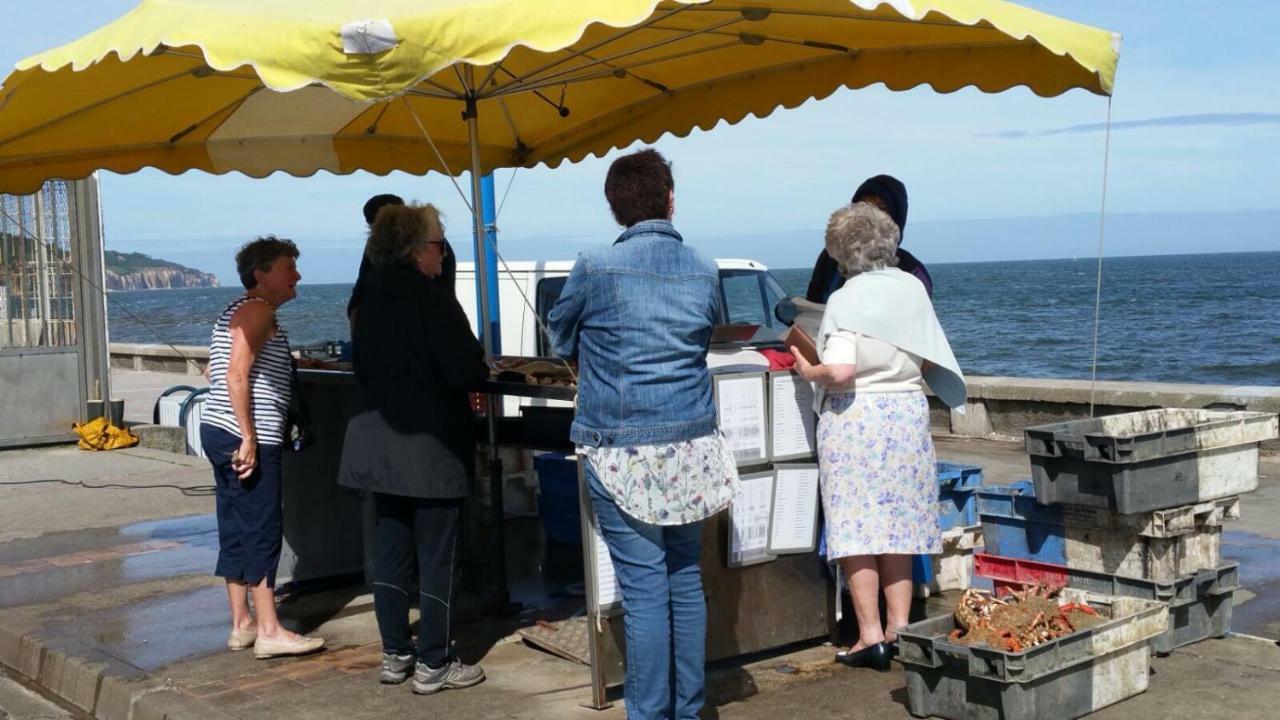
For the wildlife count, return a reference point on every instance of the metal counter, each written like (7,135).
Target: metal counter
(323,536)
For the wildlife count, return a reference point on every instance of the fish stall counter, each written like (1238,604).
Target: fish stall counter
(326,527)
(765,585)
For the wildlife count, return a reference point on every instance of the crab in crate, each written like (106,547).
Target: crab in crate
(1021,620)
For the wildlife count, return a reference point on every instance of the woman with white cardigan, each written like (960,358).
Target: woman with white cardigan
(879,343)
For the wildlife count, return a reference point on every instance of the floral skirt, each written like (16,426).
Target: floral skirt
(877,470)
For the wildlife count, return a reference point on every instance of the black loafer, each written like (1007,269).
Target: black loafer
(875,657)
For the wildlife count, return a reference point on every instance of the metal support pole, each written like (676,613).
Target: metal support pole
(91,307)
(43,291)
(488,284)
(498,597)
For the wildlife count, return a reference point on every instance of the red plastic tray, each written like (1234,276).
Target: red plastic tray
(1008,574)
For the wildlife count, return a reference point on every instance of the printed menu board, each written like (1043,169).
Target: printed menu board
(793,521)
(793,423)
(749,521)
(743,414)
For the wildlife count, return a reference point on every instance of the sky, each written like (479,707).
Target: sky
(1194,163)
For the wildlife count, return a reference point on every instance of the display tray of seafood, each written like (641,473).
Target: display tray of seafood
(1039,631)
(1023,619)
(533,371)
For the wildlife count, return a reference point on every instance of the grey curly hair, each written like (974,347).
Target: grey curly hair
(399,230)
(862,237)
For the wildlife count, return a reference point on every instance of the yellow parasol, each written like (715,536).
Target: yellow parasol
(344,85)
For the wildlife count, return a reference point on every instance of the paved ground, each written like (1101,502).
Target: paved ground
(106,601)
(139,390)
(19,702)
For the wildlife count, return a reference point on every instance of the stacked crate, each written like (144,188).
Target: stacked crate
(1130,505)
(952,569)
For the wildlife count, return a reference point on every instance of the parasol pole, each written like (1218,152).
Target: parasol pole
(498,596)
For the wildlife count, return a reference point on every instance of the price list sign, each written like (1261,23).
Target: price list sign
(749,521)
(793,423)
(793,521)
(743,413)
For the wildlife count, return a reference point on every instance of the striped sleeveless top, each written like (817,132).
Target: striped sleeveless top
(269,381)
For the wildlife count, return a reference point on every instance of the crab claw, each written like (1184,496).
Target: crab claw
(1078,606)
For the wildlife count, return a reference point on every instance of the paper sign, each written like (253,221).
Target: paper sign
(794,425)
(749,521)
(793,523)
(741,407)
(608,594)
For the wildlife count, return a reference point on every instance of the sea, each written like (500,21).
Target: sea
(1209,319)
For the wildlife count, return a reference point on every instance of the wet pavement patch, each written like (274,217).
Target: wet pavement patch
(53,566)
(154,633)
(1257,608)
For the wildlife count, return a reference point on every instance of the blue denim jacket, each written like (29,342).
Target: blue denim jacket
(638,316)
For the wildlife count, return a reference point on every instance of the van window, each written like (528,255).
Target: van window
(549,290)
(749,297)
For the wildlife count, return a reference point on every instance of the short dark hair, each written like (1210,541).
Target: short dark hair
(637,187)
(261,254)
(376,203)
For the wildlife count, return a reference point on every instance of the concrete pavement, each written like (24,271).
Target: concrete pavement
(106,601)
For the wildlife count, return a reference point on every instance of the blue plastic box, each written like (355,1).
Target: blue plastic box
(957,476)
(558,504)
(1014,526)
(957,507)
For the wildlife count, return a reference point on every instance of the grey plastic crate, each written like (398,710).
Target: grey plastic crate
(1200,604)
(1149,460)
(1069,677)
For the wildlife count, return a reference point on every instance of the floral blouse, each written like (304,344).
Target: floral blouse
(671,484)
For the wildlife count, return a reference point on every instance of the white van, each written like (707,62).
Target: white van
(748,296)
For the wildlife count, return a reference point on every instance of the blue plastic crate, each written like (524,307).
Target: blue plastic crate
(922,569)
(1014,526)
(558,504)
(958,476)
(957,508)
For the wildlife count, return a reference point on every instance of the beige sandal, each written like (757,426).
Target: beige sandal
(242,639)
(268,648)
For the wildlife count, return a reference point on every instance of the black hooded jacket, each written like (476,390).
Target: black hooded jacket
(826,277)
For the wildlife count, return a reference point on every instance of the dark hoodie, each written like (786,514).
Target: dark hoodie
(826,277)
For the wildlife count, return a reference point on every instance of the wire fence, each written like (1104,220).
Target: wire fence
(37,268)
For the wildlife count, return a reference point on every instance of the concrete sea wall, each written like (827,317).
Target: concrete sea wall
(998,407)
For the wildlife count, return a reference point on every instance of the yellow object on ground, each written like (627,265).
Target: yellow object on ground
(346,85)
(102,435)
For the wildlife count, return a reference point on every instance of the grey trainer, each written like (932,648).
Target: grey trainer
(454,675)
(395,668)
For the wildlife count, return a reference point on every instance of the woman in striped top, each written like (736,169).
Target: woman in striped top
(242,432)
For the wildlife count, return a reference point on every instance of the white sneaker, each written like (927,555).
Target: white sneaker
(454,675)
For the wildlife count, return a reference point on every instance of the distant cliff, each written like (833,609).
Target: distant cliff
(135,271)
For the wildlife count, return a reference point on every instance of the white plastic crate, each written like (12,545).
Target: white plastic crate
(195,410)
(953,567)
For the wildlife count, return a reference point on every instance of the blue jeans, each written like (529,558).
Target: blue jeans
(657,570)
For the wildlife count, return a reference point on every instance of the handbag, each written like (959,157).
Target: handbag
(297,425)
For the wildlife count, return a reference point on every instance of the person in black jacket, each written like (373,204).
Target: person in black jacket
(413,445)
(890,195)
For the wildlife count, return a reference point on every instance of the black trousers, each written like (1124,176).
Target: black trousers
(425,532)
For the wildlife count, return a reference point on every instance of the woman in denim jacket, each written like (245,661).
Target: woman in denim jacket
(638,317)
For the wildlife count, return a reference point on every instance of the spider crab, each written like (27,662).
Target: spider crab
(1023,619)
